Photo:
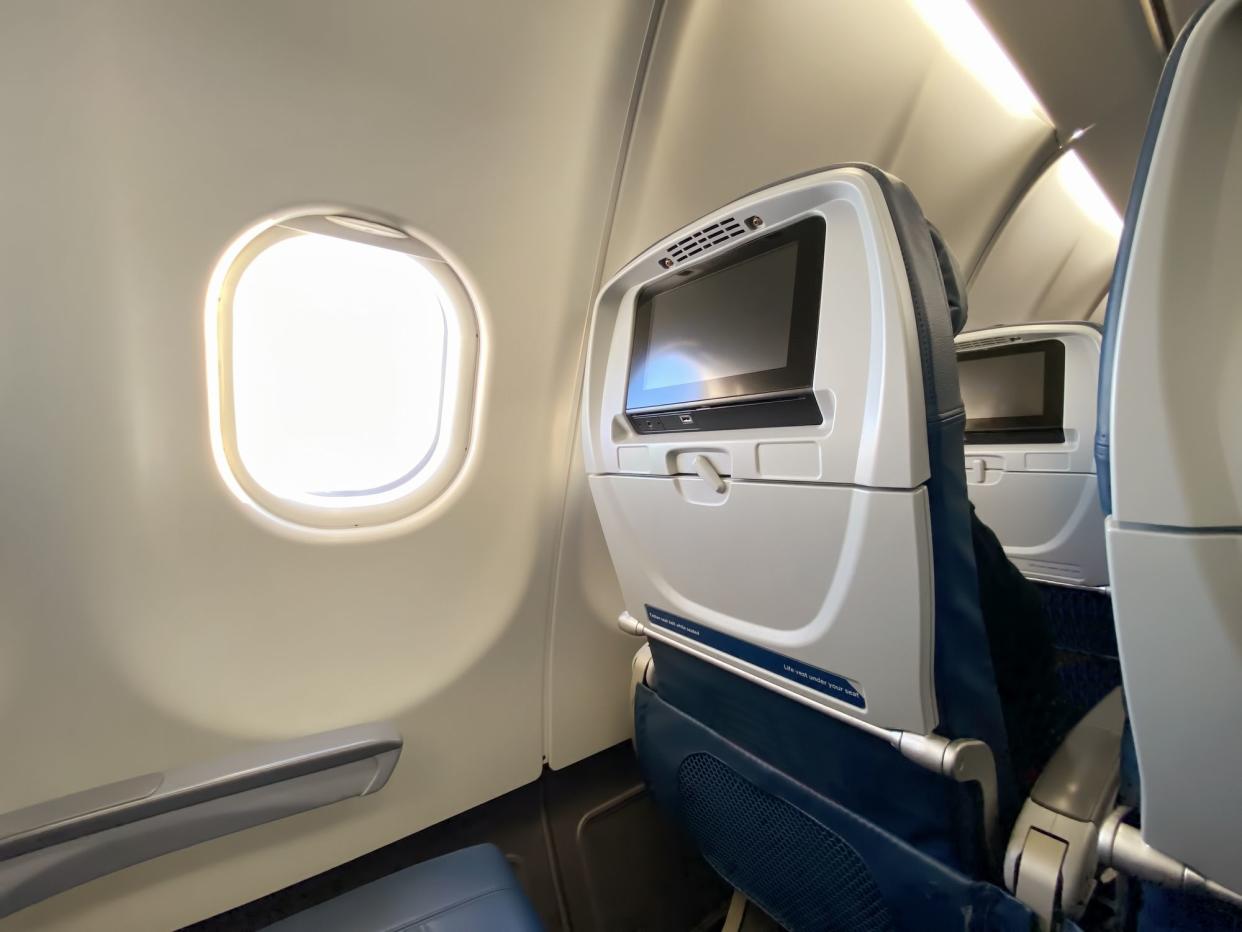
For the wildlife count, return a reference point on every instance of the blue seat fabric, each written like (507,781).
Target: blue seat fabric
(813,864)
(466,891)
(1087,663)
(1161,910)
(1020,637)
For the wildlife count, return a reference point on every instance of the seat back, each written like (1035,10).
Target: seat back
(1169,450)
(811,595)
(1030,397)
(829,555)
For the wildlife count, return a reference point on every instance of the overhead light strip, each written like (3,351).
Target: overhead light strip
(966,37)
(1086,192)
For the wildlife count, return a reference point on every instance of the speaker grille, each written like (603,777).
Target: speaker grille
(704,239)
(803,874)
(982,344)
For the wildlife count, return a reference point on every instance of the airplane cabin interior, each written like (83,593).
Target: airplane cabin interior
(628,465)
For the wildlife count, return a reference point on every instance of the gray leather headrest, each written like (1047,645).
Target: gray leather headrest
(954,284)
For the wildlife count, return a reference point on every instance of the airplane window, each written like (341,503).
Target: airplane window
(340,364)
(338,368)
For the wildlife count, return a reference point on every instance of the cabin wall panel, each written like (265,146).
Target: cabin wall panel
(146,620)
(1050,261)
(589,704)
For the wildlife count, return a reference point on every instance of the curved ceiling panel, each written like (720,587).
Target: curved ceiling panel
(1095,65)
(1053,257)
(739,95)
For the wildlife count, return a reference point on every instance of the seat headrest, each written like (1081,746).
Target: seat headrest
(951,275)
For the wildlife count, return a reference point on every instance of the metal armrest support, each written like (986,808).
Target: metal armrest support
(1121,847)
(642,669)
(1052,857)
(1071,828)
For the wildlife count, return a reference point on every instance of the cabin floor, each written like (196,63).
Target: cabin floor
(589,846)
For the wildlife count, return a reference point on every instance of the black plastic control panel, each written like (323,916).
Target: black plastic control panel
(795,411)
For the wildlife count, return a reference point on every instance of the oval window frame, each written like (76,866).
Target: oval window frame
(463,344)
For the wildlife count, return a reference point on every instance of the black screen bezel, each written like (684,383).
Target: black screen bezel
(1045,427)
(794,376)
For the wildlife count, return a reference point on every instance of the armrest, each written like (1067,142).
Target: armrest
(55,845)
(1081,780)
(1052,857)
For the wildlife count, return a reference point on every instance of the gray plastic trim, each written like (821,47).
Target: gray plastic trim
(1081,779)
(1039,884)
(1051,861)
(21,825)
(58,844)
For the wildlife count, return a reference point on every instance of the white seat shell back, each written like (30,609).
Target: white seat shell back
(814,547)
(1171,440)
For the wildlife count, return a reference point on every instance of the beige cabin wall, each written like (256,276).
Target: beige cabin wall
(146,619)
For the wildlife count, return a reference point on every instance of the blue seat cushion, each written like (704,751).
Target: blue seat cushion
(465,891)
(1020,641)
(1161,910)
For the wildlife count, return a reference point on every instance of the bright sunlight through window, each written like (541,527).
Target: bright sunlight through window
(342,365)
(338,368)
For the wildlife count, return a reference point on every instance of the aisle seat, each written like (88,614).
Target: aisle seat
(466,891)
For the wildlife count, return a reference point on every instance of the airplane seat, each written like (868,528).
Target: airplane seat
(1038,710)
(465,891)
(838,757)
(1150,906)
(1030,397)
(1085,642)
(1017,615)
(1169,455)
